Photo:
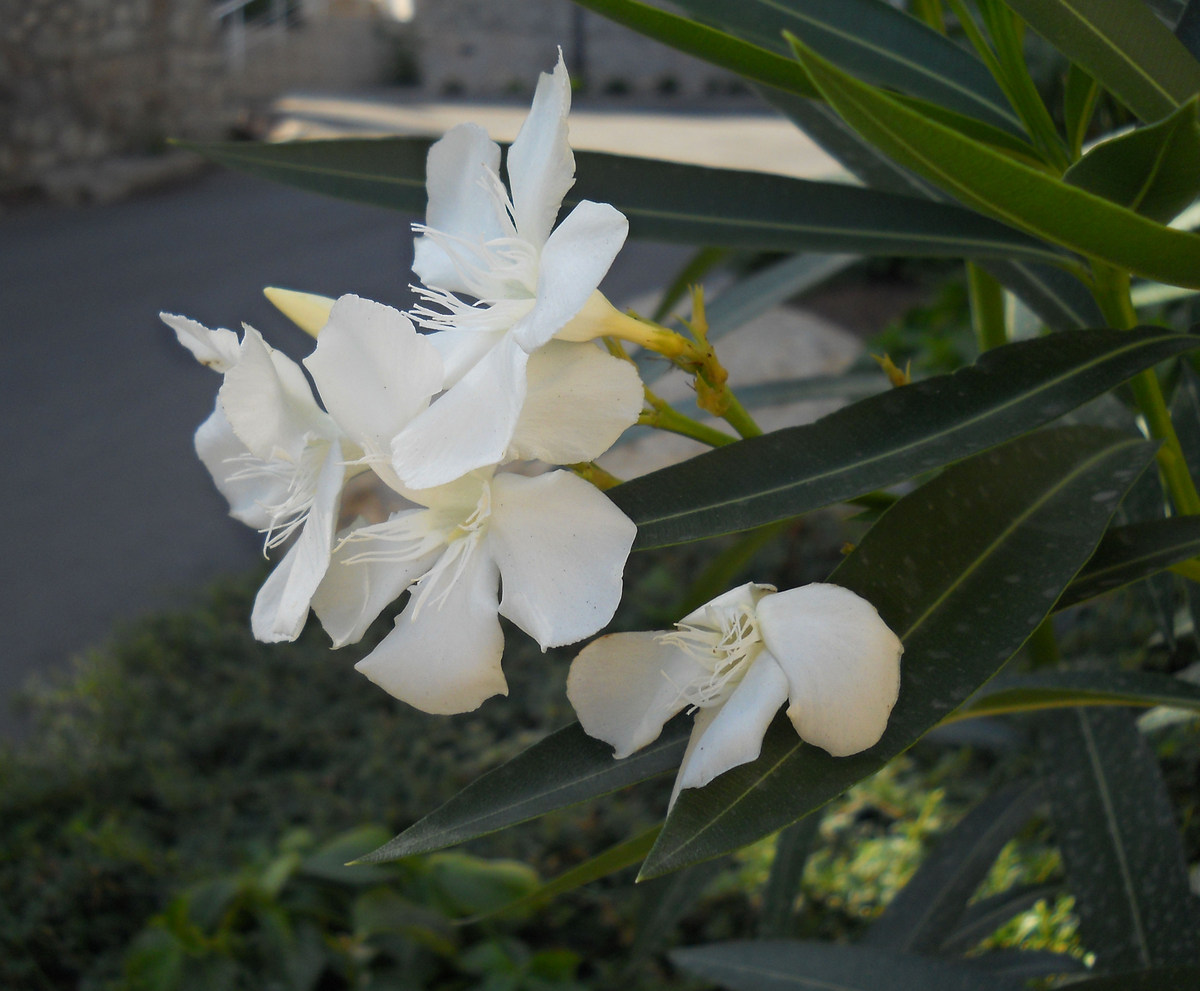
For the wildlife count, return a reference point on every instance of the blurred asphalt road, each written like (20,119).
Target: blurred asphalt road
(111,514)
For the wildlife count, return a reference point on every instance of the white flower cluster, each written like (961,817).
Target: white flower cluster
(436,417)
(511,373)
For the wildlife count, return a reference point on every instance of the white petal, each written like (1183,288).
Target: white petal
(734,734)
(446,657)
(357,586)
(462,202)
(625,686)
(374,372)
(281,606)
(561,545)
(468,427)
(579,400)
(744,596)
(225,458)
(842,664)
(575,259)
(218,349)
(462,350)
(268,403)
(541,167)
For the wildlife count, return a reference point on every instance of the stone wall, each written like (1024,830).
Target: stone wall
(83,80)
(497,47)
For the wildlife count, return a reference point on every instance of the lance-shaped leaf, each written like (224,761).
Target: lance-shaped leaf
(887,438)
(1152,170)
(874,41)
(666,200)
(984,917)
(993,182)
(792,848)
(935,898)
(1149,979)
(1131,553)
(778,965)
(963,570)
(1059,298)
(1121,848)
(717,47)
(567,766)
(1062,689)
(1122,44)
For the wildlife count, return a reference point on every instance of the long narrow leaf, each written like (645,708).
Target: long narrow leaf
(1122,44)
(997,184)
(1131,553)
(1063,689)
(935,898)
(792,847)
(665,200)
(615,858)
(719,48)
(984,917)
(776,965)
(963,569)
(1056,296)
(1120,845)
(566,767)
(875,42)
(888,438)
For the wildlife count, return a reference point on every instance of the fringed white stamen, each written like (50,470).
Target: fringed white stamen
(408,535)
(723,649)
(502,268)
(290,513)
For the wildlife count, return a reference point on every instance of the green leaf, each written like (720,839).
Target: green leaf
(717,47)
(1121,848)
(1152,170)
(875,42)
(1079,104)
(1012,526)
(1120,42)
(663,904)
(753,296)
(664,200)
(1128,554)
(462,884)
(1001,186)
(1150,979)
(568,766)
(792,848)
(887,438)
(984,917)
(615,858)
(935,898)
(692,273)
(1187,28)
(1062,689)
(776,965)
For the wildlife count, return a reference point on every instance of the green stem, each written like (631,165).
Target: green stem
(663,417)
(987,308)
(736,416)
(589,471)
(1112,293)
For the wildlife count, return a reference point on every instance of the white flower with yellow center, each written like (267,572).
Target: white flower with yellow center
(555,543)
(527,281)
(734,662)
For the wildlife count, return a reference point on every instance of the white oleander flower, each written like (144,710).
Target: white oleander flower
(278,458)
(528,280)
(734,662)
(554,542)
